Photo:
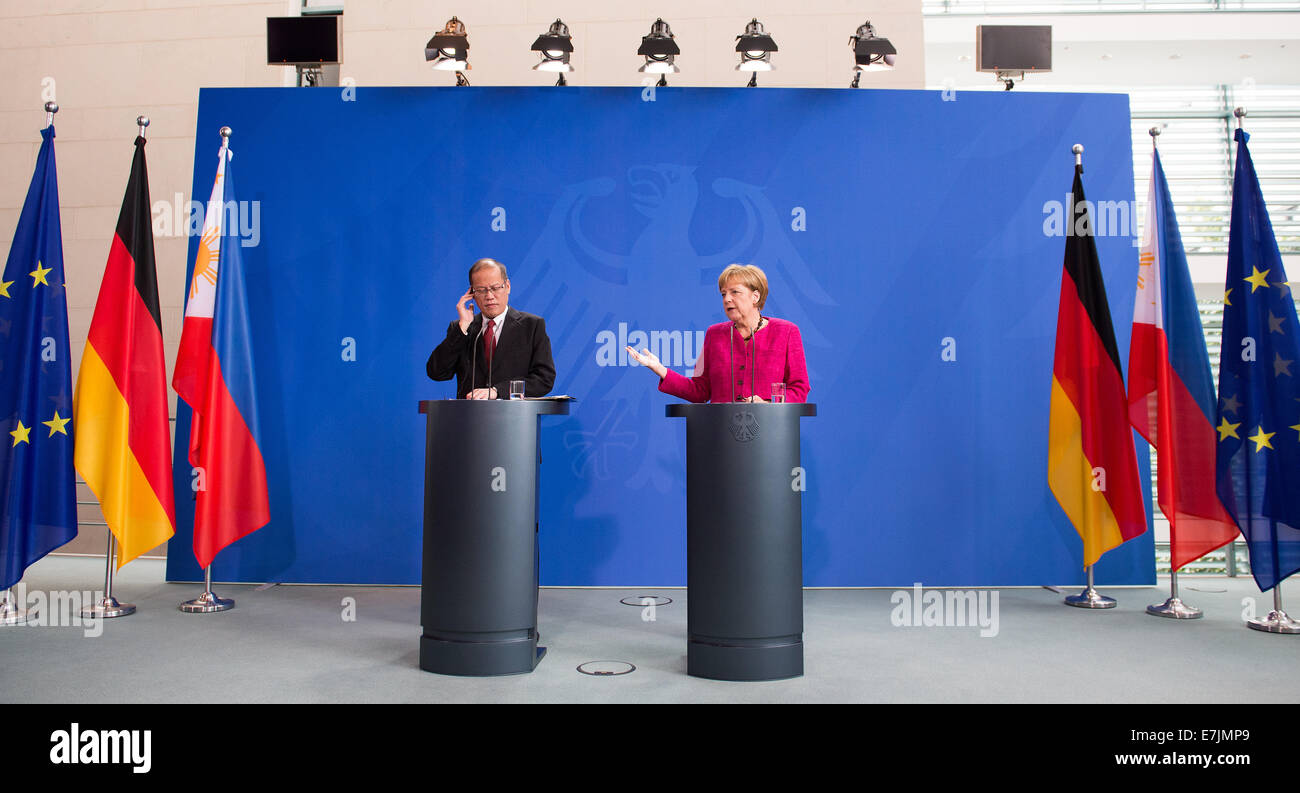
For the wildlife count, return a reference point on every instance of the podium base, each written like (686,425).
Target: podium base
(751,662)
(480,659)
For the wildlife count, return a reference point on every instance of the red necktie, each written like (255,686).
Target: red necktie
(489,343)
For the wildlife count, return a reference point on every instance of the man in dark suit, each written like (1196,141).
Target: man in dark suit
(505,342)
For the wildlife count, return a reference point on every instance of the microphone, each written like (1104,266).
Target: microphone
(753,357)
(731,350)
(493,355)
(473,358)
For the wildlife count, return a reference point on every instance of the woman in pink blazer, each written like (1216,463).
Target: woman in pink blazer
(744,356)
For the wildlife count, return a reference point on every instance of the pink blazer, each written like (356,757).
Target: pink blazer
(775,353)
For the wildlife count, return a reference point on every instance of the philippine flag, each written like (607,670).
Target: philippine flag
(1170,389)
(214,375)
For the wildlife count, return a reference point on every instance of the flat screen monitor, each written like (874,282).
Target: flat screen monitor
(303,40)
(1013,48)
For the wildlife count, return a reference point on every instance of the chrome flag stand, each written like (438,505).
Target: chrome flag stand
(1089,598)
(108,606)
(1174,608)
(12,613)
(208,602)
(1277,620)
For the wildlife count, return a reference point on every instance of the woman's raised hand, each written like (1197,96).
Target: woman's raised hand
(649,360)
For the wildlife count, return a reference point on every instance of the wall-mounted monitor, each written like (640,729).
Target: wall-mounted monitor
(1013,48)
(303,41)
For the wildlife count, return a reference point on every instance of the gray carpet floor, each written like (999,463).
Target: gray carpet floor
(292,644)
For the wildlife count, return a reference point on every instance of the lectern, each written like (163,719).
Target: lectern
(478,604)
(744,539)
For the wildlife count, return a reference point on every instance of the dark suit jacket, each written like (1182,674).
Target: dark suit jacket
(523,353)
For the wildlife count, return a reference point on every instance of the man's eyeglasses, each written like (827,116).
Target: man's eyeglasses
(482,291)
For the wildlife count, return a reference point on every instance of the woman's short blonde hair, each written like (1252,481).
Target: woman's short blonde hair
(745,275)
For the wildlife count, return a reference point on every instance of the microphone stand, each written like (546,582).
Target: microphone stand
(494,354)
(753,359)
(731,350)
(752,354)
(473,358)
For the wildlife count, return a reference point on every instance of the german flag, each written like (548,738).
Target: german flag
(123,441)
(1091,463)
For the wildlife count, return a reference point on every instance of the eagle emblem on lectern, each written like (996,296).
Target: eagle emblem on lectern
(744,427)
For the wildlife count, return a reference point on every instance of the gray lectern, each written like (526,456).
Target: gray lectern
(744,540)
(478,605)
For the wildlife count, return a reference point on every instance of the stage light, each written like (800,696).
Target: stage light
(660,51)
(555,45)
(448,50)
(755,48)
(870,54)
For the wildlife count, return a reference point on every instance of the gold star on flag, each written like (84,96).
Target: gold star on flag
(21,434)
(4,288)
(1285,286)
(1281,366)
(1226,301)
(1275,323)
(1256,279)
(1227,430)
(56,424)
(1231,404)
(1295,427)
(38,275)
(1261,439)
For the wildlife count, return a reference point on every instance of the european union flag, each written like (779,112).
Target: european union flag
(1258,418)
(38,507)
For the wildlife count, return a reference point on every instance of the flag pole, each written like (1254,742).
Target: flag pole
(1090,598)
(208,602)
(12,613)
(108,606)
(1173,608)
(1277,620)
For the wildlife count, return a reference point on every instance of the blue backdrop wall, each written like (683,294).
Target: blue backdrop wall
(893,225)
